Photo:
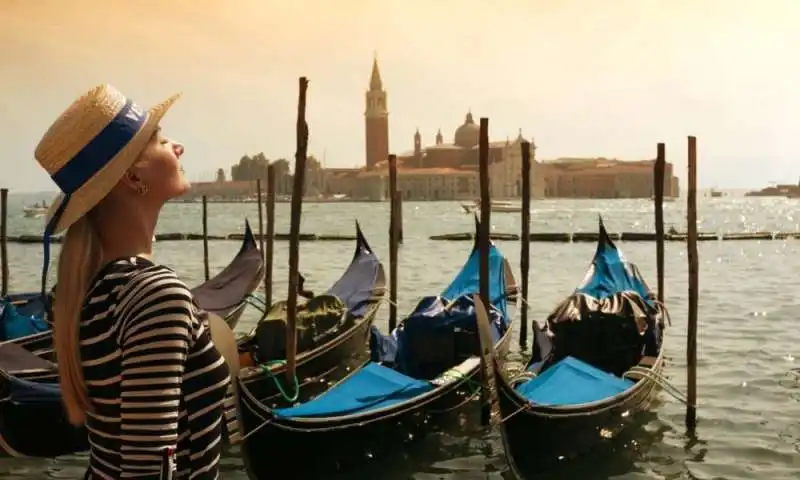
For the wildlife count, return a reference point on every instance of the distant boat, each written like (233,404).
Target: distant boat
(36,210)
(498,206)
(665,199)
(714,193)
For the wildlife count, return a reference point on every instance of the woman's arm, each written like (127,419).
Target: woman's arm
(155,335)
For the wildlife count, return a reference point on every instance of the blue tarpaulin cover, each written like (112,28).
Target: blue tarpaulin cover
(610,273)
(24,319)
(572,382)
(371,388)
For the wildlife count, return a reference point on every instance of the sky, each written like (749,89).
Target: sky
(583,77)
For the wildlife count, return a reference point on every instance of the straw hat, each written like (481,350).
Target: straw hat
(89,148)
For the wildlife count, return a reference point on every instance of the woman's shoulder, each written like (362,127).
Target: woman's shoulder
(145,294)
(138,282)
(126,276)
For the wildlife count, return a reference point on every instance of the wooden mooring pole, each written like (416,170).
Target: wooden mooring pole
(298,189)
(260,217)
(691,249)
(483,248)
(399,204)
(4,238)
(394,238)
(524,257)
(658,190)
(206,270)
(270,241)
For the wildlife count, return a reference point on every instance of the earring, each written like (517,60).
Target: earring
(143,189)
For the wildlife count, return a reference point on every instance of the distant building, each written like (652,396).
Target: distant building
(604,178)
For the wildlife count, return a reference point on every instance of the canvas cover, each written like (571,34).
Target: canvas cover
(318,321)
(442,330)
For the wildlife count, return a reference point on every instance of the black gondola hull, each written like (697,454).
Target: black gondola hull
(340,442)
(40,430)
(536,437)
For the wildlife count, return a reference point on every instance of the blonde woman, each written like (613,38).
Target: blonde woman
(137,364)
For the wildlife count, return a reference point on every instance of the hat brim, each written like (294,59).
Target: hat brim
(99,186)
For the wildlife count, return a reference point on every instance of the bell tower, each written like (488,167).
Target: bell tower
(376,116)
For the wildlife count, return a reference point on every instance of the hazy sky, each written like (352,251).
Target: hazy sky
(585,77)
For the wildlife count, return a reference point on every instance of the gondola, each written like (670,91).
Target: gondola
(426,365)
(32,419)
(30,400)
(22,317)
(333,331)
(598,361)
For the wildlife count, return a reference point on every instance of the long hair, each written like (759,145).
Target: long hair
(77,265)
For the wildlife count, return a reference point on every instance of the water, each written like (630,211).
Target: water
(749,412)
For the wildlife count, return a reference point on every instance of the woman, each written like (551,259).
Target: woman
(136,360)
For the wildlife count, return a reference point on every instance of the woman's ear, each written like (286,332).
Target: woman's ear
(132,181)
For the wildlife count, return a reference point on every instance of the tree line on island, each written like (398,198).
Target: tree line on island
(254,167)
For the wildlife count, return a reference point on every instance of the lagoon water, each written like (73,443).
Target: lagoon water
(749,340)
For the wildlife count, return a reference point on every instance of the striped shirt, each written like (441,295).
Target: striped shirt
(153,375)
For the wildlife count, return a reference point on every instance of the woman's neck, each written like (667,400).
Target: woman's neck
(125,230)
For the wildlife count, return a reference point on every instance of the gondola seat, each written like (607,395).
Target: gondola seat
(610,342)
(572,382)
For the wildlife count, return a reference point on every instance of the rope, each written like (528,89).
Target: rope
(521,377)
(266,368)
(659,380)
(261,306)
(262,425)
(474,391)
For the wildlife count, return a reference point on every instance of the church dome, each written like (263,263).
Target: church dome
(468,134)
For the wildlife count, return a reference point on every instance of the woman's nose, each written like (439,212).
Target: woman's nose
(178,149)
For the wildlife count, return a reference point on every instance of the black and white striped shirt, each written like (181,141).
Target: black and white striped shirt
(152,373)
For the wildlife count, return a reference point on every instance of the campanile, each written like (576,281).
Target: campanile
(376,116)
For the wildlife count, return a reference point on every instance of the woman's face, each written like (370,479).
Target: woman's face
(159,169)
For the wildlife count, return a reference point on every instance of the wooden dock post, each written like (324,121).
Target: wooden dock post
(691,249)
(205,238)
(260,217)
(394,238)
(658,190)
(525,240)
(298,189)
(483,248)
(270,241)
(399,204)
(4,238)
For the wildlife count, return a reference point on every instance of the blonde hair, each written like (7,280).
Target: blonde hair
(77,265)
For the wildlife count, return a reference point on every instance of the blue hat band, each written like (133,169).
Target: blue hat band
(101,149)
